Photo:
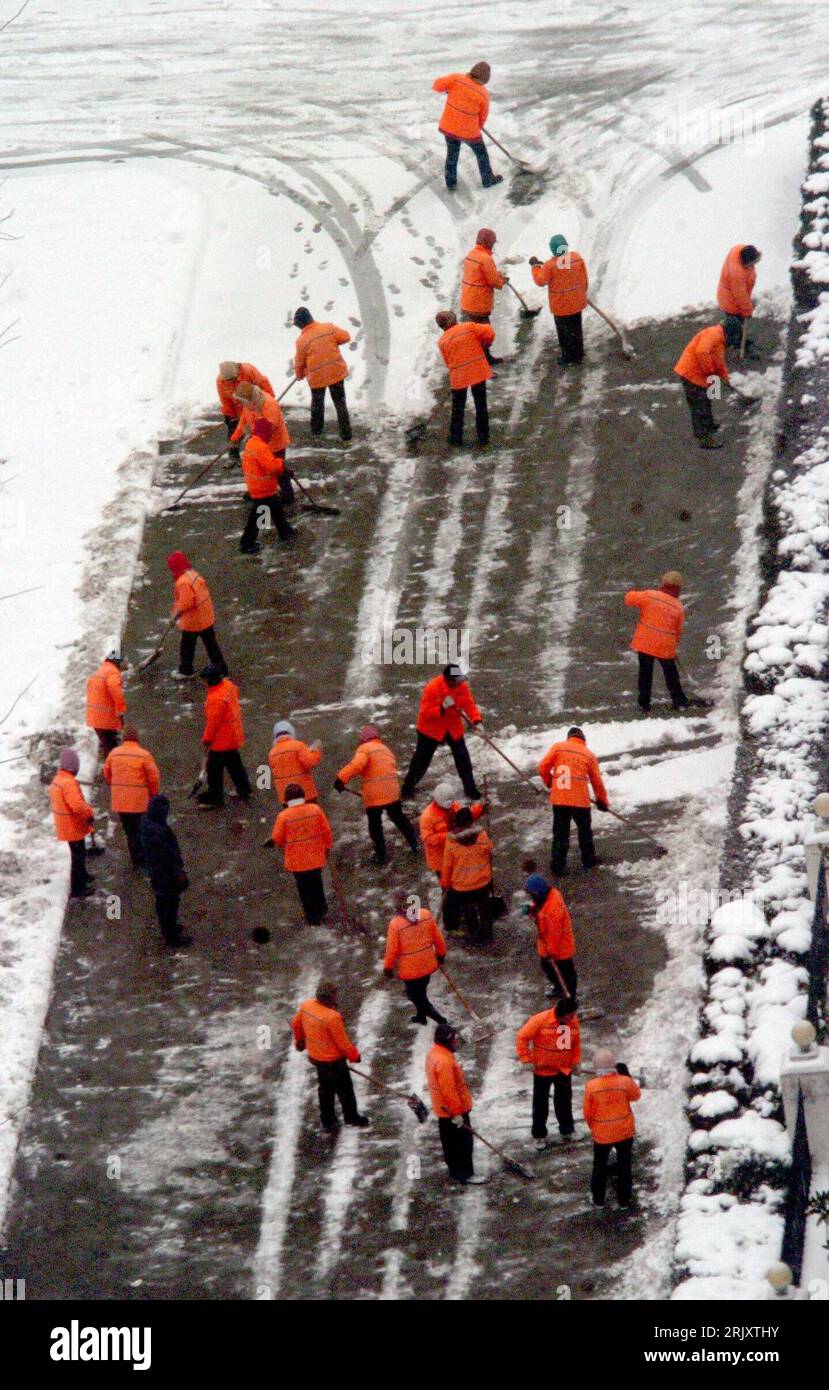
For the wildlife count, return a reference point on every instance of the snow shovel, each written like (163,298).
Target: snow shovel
(200,780)
(413,1101)
(501,753)
(743,340)
(312,506)
(466,1004)
(174,506)
(511,1164)
(628,350)
(699,701)
(526,311)
(521,164)
(148,660)
(94,848)
(661,850)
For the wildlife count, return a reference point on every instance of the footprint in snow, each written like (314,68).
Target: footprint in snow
(418,260)
(430,241)
(342,281)
(398,309)
(317,227)
(353,207)
(355,323)
(329,306)
(429,281)
(394,289)
(299,226)
(322,265)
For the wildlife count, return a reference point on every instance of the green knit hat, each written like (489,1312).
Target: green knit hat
(558,244)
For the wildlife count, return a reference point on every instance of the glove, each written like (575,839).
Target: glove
(389,974)
(506,279)
(358,1058)
(622,1069)
(534,260)
(441,959)
(447,702)
(268,844)
(601,805)
(300,1046)
(457,1121)
(479,725)
(339,786)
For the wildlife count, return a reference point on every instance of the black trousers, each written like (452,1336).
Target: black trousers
(78,875)
(672,681)
(334,1083)
(107,740)
(479,149)
(624,1177)
(457,1148)
(733,325)
(567,971)
(702,416)
(562,1103)
(253,525)
(131,821)
(187,650)
(562,815)
(416,991)
(166,905)
(570,336)
(337,393)
(466,910)
(459,410)
(397,816)
(231,760)
(311,895)
(423,755)
(230,424)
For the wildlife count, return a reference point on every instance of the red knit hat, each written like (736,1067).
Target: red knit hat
(486,237)
(368,732)
(263,429)
(177,563)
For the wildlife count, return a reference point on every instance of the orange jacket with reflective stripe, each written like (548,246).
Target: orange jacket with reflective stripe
(566,279)
(704,357)
(435,824)
(304,835)
(323,1031)
(736,283)
(317,356)
(480,279)
(377,766)
(270,410)
(193,604)
(467,861)
(247,372)
(414,947)
(291,760)
(661,620)
(261,467)
(467,106)
(223,727)
(436,722)
(133,777)
(73,816)
(555,928)
(551,1045)
(567,768)
(447,1083)
(462,349)
(105,703)
(607,1107)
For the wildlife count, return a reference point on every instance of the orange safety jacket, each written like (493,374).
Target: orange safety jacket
(270,410)
(467,861)
(566,279)
(735,285)
(552,1045)
(73,816)
(661,620)
(317,356)
(291,760)
(247,372)
(322,1030)
(462,349)
(133,777)
(554,925)
(704,357)
(467,106)
(607,1107)
(435,824)
(261,467)
(192,602)
(566,769)
(105,703)
(447,1083)
(436,722)
(223,727)
(414,948)
(479,281)
(304,836)
(377,766)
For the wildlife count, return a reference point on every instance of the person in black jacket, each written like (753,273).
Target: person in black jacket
(165,866)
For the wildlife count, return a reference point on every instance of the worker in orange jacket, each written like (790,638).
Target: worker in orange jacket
(194,614)
(445,699)
(291,760)
(550,1042)
(480,278)
(438,820)
(607,1110)
(466,878)
(73,818)
(105,703)
(133,777)
(223,736)
(565,276)
(452,1104)
(318,360)
(231,375)
(256,404)
(701,364)
(376,766)
(319,1029)
(569,769)
(415,947)
(656,636)
(463,347)
(303,834)
(263,469)
(737,280)
(464,117)
(555,942)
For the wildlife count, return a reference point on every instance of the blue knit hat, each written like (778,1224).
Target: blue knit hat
(537,886)
(558,244)
(302,318)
